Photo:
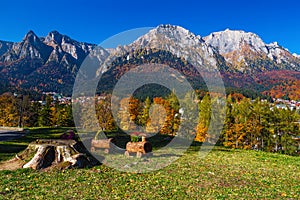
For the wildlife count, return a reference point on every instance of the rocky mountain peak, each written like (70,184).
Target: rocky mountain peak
(244,49)
(232,40)
(31,37)
(177,33)
(170,34)
(30,47)
(168,28)
(178,41)
(53,37)
(63,44)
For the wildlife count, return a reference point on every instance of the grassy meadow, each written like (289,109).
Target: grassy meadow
(223,174)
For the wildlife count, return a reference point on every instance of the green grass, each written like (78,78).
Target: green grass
(222,174)
(8,149)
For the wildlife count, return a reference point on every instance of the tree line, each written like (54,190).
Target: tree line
(21,111)
(248,124)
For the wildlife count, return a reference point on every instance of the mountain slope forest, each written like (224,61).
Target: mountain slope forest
(247,64)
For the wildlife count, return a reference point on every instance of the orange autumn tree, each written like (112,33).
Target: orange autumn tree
(234,136)
(104,114)
(157,117)
(134,109)
(128,113)
(162,117)
(9,112)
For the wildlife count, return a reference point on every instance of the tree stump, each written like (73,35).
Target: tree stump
(58,153)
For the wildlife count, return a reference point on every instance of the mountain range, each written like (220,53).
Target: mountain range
(244,60)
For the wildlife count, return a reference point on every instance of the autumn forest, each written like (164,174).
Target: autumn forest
(248,124)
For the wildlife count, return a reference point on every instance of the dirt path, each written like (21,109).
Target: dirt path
(11,164)
(6,135)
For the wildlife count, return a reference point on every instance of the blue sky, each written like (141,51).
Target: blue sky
(95,21)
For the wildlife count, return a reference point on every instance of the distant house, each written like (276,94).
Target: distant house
(281,106)
(42,102)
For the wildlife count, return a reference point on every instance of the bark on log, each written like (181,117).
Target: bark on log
(142,147)
(43,158)
(102,144)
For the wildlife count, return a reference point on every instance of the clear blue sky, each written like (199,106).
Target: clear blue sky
(94,21)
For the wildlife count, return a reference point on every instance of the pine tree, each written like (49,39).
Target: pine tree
(188,115)
(204,119)
(175,106)
(32,115)
(45,113)
(144,117)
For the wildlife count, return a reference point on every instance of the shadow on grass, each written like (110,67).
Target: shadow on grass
(121,138)
(10,148)
(157,141)
(167,155)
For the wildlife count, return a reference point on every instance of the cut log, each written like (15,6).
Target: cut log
(127,154)
(141,147)
(139,154)
(105,144)
(51,153)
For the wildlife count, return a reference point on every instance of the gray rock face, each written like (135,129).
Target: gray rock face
(241,48)
(43,63)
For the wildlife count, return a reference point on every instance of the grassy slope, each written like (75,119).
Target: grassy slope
(223,173)
(9,148)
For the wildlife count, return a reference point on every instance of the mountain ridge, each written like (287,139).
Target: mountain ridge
(51,62)
(46,40)
(238,47)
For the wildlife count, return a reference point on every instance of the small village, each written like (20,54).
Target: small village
(277,102)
